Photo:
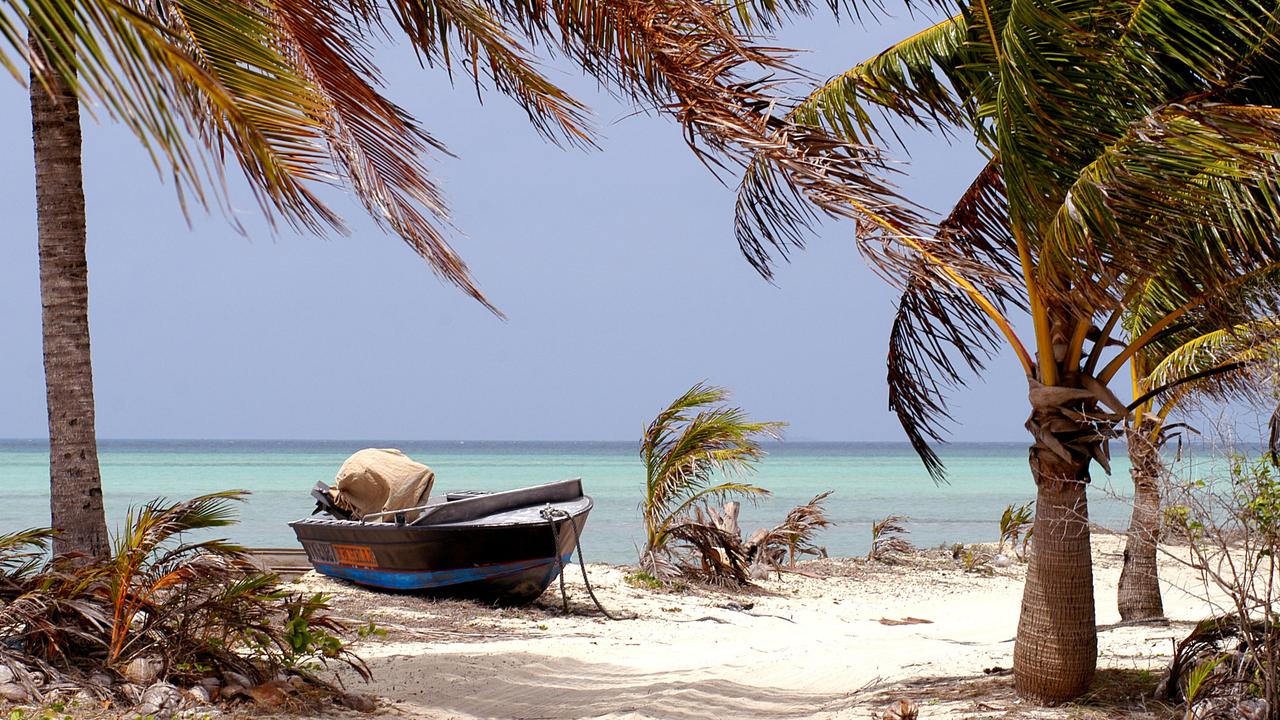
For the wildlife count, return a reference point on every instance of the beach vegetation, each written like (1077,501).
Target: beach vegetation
(288,92)
(1016,524)
(166,605)
(1131,149)
(643,580)
(698,451)
(1228,664)
(888,539)
(792,538)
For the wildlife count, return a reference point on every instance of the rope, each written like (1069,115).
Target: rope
(550,514)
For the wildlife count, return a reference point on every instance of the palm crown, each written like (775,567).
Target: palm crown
(1126,141)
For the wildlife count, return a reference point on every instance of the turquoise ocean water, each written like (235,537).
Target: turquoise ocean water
(870,480)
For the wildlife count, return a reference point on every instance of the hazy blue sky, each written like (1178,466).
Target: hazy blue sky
(617,268)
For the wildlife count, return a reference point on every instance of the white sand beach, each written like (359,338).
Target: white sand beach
(823,644)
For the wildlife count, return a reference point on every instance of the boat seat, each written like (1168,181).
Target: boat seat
(473,508)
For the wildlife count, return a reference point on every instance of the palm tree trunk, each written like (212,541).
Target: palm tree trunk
(1056,651)
(75,485)
(1139,593)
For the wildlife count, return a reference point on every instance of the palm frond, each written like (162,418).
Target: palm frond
(685,58)
(376,147)
(719,555)
(793,536)
(718,493)
(914,80)
(686,446)
(1060,71)
(23,551)
(888,539)
(939,334)
(1218,364)
(484,45)
(920,80)
(1211,171)
(211,69)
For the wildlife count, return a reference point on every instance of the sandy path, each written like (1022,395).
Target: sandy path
(806,648)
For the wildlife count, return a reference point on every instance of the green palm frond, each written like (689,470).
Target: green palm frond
(1209,168)
(686,446)
(23,552)
(211,68)
(150,527)
(920,80)
(1219,40)
(719,493)
(1243,343)
(1219,364)
(914,80)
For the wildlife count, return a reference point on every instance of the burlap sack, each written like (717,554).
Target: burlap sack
(374,480)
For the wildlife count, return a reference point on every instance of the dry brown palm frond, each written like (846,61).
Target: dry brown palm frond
(939,334)
(375,146)
(711,554)
(689,58)
(887,539)
(793,537)
(685,57)
(288,90)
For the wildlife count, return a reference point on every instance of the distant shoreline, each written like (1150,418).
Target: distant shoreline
(252,443)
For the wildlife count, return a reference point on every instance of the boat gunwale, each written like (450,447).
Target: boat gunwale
(463,524)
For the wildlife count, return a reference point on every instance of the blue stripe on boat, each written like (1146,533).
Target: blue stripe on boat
(411,580)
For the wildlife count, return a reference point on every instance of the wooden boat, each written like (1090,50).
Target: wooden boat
(499,547)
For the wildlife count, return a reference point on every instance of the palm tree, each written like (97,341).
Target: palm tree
(1126,140)
(1181,366)
(288,91)
(685,447)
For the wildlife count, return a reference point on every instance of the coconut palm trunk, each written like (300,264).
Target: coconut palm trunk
(1138,597)
(1057,646)
(75,484)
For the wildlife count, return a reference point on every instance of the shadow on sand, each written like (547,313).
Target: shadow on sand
(523,685)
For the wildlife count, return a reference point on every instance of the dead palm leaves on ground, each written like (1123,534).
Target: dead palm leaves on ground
(794,537)
(887,541)
(713,554)
(1221,670)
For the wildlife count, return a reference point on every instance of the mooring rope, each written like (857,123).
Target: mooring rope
(551,514)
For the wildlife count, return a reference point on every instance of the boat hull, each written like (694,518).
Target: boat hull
(503,563)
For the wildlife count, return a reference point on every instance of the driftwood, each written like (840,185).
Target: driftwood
(727,518)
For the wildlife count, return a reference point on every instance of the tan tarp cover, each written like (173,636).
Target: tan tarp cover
(374,480)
